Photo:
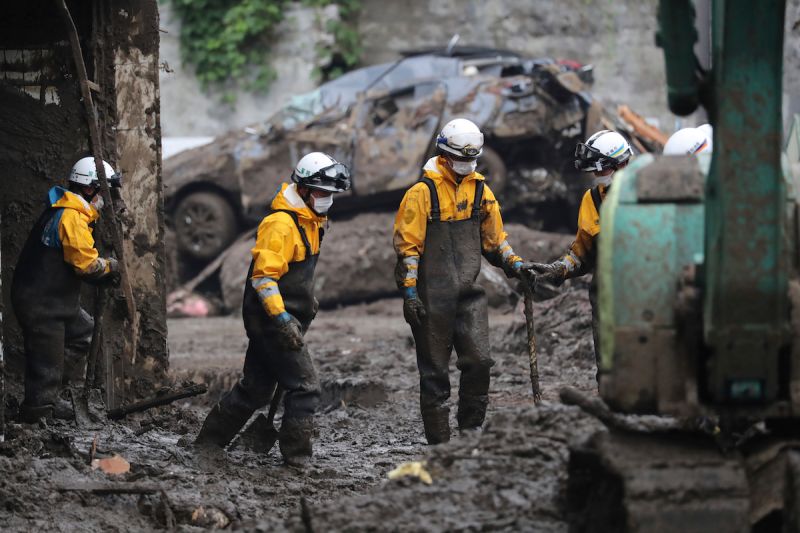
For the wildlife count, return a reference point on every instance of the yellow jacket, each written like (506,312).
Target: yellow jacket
(583,253)
(73,234)
(455,203)
(278,243)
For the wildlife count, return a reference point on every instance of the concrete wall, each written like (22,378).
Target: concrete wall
(189,110)
(43,132)
(617,37)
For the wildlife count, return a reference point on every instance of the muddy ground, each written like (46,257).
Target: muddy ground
(510,477)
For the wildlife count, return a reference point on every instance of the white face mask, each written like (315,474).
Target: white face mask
(464,168)
(604,180)
(320,205)
(98,202)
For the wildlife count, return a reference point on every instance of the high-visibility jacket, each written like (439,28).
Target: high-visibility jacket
(70,229)
(455,203)
(279,243)
(582,255)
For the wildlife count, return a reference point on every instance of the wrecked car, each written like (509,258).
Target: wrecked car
(382,121)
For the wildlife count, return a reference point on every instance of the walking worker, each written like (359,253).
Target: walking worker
(58,256)
(603,154)
(445,223)
(278,308)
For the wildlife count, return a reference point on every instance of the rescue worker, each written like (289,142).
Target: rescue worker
(603,154)
(278,308)
(444,223)
(58,255)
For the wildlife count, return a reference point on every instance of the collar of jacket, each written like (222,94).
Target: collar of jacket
(288,199)
(436,168)
(60,197)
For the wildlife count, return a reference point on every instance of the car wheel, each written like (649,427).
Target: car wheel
(491,165)
(204,225)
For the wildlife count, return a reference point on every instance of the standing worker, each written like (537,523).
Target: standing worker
(444,224)
(603,154)
(45,292)
(278,308)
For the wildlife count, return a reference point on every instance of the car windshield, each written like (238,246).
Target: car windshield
(342,92)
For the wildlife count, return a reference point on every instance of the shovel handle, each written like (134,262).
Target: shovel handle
(273,406)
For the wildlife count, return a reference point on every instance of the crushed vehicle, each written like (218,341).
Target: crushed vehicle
(382,121)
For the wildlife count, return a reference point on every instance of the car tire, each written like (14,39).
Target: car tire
(491,165)
(205,225)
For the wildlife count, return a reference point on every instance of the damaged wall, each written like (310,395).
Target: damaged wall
(43,132)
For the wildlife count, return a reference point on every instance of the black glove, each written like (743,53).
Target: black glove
(522,270)
(291,333)
(314,309)
(413,309)
(553,273)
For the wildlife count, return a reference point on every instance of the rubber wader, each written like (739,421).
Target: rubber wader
(457,317)
(45,293)
(268,362)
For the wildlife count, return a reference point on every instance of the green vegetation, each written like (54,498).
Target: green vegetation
(229,40)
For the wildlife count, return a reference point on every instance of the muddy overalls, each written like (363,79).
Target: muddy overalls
(45,293)
(268,362)
(457,317)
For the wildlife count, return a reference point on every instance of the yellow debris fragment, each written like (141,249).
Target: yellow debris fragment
(413,469)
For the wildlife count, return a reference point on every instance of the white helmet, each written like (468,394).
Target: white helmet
(322,172)
(85,173)
(687,141)
(461,137)
(603,150)
(708,130)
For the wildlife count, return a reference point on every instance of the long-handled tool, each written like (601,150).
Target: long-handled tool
(260,436)
(528,292)
(80,399)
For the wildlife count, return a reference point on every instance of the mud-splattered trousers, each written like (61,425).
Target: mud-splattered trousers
(45,294)
(268,362)
(456,317)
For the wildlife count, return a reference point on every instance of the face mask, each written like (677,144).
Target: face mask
(98,202)
(604,180)
(322,204)
(463,168)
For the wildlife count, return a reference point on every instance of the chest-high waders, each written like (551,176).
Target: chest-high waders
(268,362)
(45,294)
(457,316)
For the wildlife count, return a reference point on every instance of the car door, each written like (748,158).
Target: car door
(394,132)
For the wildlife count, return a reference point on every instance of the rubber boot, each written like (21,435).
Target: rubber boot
(220,427)
(471,411)
(295,441)
(31,414)
(437,425)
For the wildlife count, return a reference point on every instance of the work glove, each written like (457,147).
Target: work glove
(553,273)
(290,331)
(113,278)
(413,309)
(314,309)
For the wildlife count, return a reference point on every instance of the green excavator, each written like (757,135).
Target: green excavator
(699,291)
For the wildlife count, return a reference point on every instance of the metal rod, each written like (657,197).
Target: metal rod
(531,334)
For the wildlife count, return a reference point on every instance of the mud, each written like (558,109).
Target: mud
(509,477)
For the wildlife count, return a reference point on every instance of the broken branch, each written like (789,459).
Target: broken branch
(158,401)
(110,214)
